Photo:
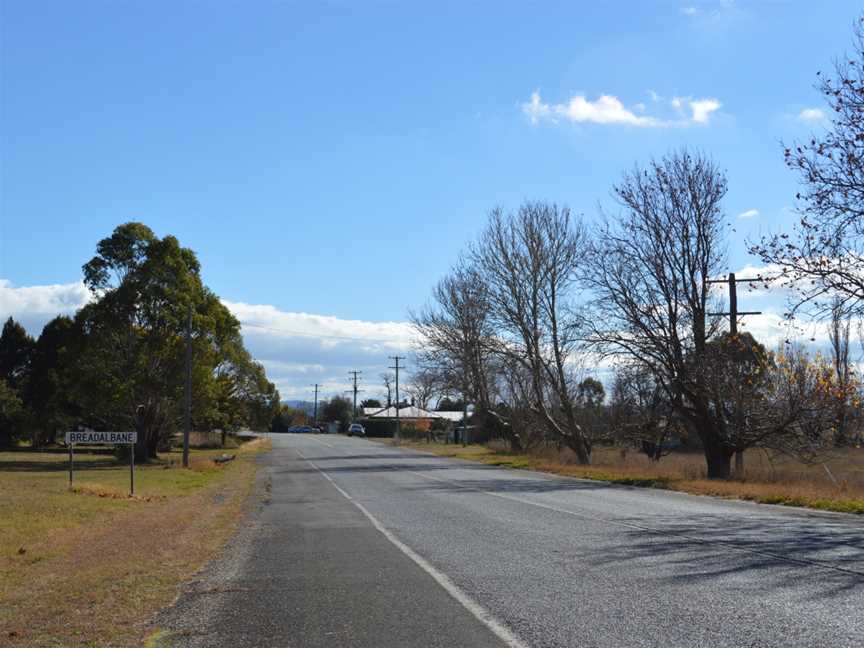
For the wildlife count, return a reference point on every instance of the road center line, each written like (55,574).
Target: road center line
(632,525)
(312,438)
(478,611)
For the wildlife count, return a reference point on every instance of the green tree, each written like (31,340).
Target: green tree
(16,354)
(590,393)
(11,411)
(288,417)
(16,350)
(47,395)
(131,364)
(337,408)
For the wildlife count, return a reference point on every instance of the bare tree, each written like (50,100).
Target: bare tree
(824,257)
(838,334)
(641,412)
(457,338)
(389,379)
(422,386)
(528,262)
(648,274)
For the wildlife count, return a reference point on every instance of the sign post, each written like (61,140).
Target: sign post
(103,438)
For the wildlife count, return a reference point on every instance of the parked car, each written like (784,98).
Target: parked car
(356,428)
(301,429)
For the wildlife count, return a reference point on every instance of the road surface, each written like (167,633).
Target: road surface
(359,544)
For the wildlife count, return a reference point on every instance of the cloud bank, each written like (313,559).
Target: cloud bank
(297,349)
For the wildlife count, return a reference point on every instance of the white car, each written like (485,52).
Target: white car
(356,428)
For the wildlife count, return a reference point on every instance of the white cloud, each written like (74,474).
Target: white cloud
(750,213)
(654,96)
(300,348)
(34,306)
(811,115)
(689,11)
(608,109)
(703,108)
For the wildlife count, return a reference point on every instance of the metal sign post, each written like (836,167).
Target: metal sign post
(103,438)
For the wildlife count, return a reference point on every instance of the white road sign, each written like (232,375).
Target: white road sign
(121,438)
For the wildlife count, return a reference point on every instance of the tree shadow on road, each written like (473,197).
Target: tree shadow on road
(814,557)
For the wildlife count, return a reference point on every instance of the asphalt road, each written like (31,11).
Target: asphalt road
(358,544)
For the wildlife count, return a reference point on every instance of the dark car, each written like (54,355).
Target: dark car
(304,429)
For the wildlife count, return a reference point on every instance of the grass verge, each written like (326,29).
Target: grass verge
(88,567)
(791,493)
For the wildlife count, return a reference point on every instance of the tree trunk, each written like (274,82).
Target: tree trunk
(739,464)
(141,452)
(577,444)
(152,444)
(719,461)
(515,444)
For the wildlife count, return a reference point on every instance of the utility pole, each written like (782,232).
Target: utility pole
(187,410)
(315,411)
(355,390)
(733,329)
(464,408)
(396,359)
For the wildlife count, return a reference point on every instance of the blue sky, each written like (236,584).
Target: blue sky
(332,158)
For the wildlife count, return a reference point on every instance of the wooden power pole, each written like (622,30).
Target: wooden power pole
(315,410)
(396,360)
(187,406)
(733,315)
(355,390)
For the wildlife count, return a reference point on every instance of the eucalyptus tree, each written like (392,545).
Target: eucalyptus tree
(130,352)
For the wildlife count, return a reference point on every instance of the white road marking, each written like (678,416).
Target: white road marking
(312,438)
(478,611)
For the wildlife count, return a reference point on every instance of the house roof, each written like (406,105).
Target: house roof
(410,413)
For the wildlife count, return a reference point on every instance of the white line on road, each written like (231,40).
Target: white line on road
(478,611)
(312,438)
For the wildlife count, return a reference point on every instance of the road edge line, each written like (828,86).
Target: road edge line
(477,611)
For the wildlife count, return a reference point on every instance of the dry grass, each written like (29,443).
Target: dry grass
(90,566)
(835,484)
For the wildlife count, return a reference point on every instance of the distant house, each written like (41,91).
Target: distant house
(416,416)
